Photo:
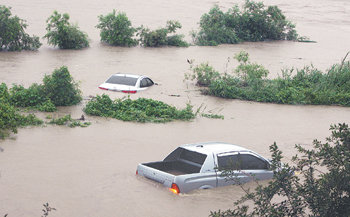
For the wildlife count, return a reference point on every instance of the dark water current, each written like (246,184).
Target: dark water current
(91,171)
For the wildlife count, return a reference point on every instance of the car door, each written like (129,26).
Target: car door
(256,166)
(230,163)
(242,167)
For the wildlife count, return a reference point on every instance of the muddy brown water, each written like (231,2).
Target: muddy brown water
(91,171)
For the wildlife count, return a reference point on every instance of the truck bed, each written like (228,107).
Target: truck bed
(177,167)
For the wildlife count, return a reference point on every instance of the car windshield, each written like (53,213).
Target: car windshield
(130,81)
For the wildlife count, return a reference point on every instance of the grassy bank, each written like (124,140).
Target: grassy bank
(294,86)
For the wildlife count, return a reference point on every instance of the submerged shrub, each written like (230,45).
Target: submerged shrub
(140,110)
(305,86)
(10,118)
(161,37)
(61,89)
(58,89)
(12,33)
(27,97)
(254,22)
(63,34)
(204,74)
(68,121)
(116,29)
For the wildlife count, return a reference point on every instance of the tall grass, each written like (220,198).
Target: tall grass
(294,86)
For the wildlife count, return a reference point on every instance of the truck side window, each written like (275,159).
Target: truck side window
(229,162)
(250,162)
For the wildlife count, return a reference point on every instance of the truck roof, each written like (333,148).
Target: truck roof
(214,147)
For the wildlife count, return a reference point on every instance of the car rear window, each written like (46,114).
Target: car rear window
(184,154)
(192,156)
(122,80)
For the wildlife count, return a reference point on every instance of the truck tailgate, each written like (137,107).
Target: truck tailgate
(159,176)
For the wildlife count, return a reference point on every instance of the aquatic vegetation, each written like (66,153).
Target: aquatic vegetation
(68,121)
(61,88)
(161,37)
(63,34)
(213,116)
(254,22)
(12,33)
(10,117)
(58,89)
(139,110)
(116,29)
(305,86)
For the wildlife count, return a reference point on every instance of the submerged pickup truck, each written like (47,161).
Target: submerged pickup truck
(200,166)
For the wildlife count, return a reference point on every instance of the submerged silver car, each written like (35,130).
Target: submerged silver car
(202,165)
(127,83)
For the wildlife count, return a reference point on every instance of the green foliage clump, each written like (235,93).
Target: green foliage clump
(140,110)
(254,22)
(161,37)
(10,118)
(27,97)
(306,86)
(58,89)
(321,189)
(203,74)
(116,30)
(61,89)
(63,34)
(68,121)
(12,33)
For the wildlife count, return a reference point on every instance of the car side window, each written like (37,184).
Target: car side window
(250,162)
(143,83)
(229,162)
(149,82)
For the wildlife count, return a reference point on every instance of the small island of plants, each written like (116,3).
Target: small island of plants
(302,86)
(139,110)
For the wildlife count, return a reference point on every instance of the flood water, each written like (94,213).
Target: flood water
(91,171)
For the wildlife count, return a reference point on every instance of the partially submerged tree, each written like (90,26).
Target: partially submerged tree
(254,22)
(61,88)
(116,29)
(162,36)
(12,33)
(323,189)
(63,34)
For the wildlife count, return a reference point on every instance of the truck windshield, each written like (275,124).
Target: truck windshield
(184,154)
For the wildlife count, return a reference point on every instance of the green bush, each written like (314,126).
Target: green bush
(254,22)
(12,33)
(30,97)
(322,187)
(140,110)
(60,88)
(213,29)
(203,74)
(63,34)
(116,30)
(10,118)
(161,37)
(249,82)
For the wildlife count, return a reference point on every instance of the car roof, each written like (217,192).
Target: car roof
(128,75)
(214,148)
